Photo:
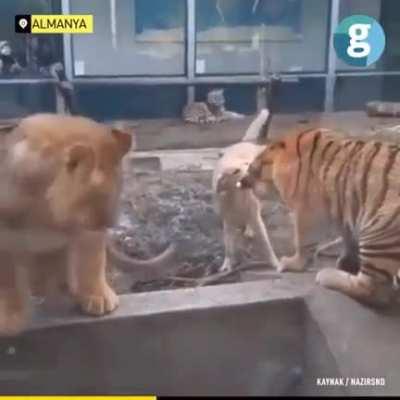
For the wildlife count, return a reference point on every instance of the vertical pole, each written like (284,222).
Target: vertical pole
(113,23)
(331,73)
(191,48)
(263,70)
(67,43)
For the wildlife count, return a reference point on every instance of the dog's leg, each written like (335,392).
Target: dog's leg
(230,241)
(260,233)
(324,250)
(248,232)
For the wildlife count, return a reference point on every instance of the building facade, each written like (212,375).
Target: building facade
(148,58)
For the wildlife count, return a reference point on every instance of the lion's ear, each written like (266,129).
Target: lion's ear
(79,155)
(124,139)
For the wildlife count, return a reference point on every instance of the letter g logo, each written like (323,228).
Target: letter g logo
(359,40)
(358,48)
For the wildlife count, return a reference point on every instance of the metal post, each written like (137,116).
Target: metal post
(331,73)
(191,48)
(67,43)
(113,23)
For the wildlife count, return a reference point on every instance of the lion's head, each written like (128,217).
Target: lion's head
(71,169)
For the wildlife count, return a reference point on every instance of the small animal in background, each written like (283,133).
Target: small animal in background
(64,87)
(8,63)
(350,184)
(209,112)
(383,109)
(240,210)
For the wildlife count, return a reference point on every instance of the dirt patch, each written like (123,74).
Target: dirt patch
(160,208)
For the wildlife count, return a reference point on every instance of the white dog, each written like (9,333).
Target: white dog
(240,209)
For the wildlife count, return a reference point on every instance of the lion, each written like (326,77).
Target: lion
(60,181)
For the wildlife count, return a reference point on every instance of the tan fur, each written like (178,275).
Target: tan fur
(59,186)
(350,185)
(240,210)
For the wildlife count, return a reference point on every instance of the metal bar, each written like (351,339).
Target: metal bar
(331,77)
(191,48)
(67,43)
(368,73)
(113,24)
(249,79)
(191,94)
(191,39)
(34,81)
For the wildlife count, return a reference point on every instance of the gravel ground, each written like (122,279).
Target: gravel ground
(160,208)
(178,207)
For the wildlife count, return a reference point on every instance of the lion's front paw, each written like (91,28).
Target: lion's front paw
(293,263)
(99,303)
(12,320)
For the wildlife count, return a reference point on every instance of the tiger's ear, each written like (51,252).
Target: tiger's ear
(79,156)
(279,145)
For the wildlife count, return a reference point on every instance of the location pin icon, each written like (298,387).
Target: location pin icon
(23,23)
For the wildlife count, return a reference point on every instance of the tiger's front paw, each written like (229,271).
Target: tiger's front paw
(330,278)
(294,263)
(99,303)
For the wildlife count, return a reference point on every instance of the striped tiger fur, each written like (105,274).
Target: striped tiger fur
(326,178)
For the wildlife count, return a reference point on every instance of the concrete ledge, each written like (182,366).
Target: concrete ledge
(171,301)
(193,159)
(255,338)
(233,339)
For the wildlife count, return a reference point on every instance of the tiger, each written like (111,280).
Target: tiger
(352,185)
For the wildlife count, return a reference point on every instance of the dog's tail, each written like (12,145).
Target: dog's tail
(258,128)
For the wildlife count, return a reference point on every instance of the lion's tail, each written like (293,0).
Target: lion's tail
(154,268)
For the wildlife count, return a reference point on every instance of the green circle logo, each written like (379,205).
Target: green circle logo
(359,40)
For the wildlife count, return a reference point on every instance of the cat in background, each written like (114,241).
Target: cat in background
(211,111)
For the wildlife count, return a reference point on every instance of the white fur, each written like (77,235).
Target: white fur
(240,209)
(254,129)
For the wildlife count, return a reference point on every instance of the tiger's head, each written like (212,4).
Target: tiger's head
(71,167)
(261,169)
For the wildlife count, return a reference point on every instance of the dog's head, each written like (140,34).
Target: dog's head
(230,178)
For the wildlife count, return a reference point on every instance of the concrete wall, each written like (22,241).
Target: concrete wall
(17,100)
(363,342)
(255,338)
(202,342)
